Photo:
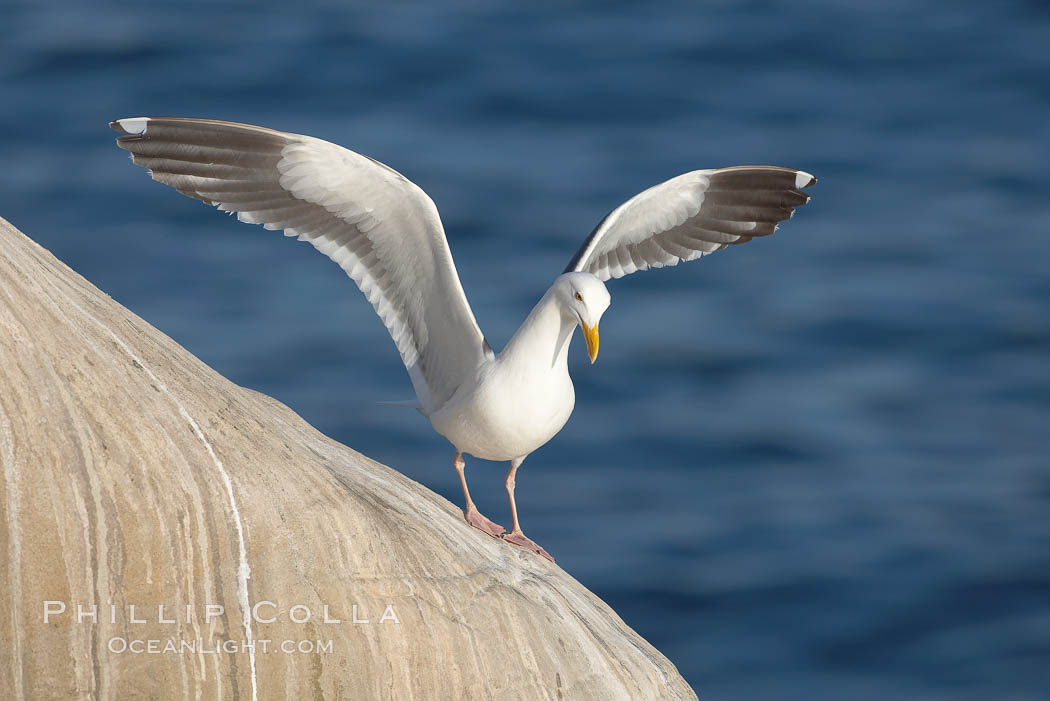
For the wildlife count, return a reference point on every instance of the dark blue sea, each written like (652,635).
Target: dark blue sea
(812,467)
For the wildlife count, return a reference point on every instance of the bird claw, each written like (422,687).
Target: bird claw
(491,528)
(522,541)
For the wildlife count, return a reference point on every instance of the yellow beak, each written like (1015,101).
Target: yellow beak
(590,333)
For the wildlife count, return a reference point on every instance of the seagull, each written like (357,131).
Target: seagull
(385,232)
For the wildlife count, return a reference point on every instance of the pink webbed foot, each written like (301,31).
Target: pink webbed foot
(522,541)
(474,518)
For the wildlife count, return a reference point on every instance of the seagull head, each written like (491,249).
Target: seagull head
(583,299)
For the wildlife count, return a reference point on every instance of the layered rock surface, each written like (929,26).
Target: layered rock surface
(136,476)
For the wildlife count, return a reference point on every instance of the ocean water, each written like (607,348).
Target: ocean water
(812,467)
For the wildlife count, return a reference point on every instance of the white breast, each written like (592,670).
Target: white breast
(510,412)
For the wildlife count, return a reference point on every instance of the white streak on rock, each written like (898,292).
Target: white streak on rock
(14,552)
(244,571)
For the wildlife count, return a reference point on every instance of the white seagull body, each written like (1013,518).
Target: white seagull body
(385,233)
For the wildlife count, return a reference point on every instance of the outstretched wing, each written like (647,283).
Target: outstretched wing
(377,225)
(690,216)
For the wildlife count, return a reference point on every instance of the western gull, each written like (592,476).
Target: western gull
(384,231)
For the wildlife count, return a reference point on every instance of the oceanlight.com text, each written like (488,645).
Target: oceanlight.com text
(171,646)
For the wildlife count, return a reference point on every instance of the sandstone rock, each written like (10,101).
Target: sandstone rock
(136,476)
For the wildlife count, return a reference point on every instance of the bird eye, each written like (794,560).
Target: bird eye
(579,297)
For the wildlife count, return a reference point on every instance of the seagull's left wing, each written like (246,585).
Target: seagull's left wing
(383,230)
(689,216)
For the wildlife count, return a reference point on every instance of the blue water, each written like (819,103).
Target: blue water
(811,467)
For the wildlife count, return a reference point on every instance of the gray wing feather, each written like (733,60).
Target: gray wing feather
(690,216)
(378,226)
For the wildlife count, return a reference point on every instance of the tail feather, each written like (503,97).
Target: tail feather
(406,403)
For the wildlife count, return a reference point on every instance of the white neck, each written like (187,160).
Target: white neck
(543,338)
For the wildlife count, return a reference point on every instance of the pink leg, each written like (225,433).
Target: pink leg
(516,537)
(471,512)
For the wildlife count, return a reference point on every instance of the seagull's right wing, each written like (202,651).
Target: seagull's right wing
(377,225)
(690,216)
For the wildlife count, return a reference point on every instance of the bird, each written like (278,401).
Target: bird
(385,233)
